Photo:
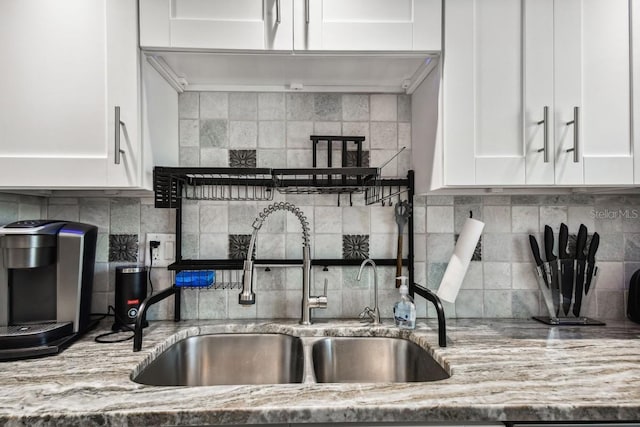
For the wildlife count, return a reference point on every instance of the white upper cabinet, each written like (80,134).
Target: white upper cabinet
(366,25)
(577,56)
(69,65)
(217,24)
(482,126)
(537,92)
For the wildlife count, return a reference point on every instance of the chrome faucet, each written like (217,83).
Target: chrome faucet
(373,314)
(247,296)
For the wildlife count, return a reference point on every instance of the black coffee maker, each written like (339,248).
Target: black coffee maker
(46,280)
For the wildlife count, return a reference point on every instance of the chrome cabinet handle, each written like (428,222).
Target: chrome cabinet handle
(277,11)
(576,137)
(118,124)
(306,11)
(545,122)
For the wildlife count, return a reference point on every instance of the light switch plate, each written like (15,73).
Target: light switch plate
(164,254)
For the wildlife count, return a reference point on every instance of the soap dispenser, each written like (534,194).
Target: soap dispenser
(404,311)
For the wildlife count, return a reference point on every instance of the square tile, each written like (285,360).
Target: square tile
(496,247)
(462,212)
(384,108)
(271,246)
(384,135)
(355,108)
(243,106)
(213,133)
(580,215)
(352,159)
(239,246)
(299,158)
(214,246)
(9,212)
(631,247)
(328,106)
(525,304)
(523,276)
(243,134)
(123,247)
(214,157)
(242,158)
(553,216)
(188,105)
(439,247)
(327,246)
(214,105)
(328,129)
(383,219)
(327,219)
(96,212)
(355,246)
(125,216)
(467,305)
(357,129)
(497,275)
(355,220)
(384,246)
(298,133)
(212,304)
(300,106)
(498,304)
(387,158)
(525,219)
(404,135)
(213,218)
(404,108)
(272,158)
(189,156)
(497,219)
(271,106)
(439,219)
(189,133)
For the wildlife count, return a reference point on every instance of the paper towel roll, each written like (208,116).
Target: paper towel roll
(459,262)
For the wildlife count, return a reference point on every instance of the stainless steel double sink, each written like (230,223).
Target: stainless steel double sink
(263,358)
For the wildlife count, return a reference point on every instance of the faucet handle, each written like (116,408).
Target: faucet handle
(326,286)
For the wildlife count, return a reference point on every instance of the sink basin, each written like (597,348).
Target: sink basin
(373,360)
(227,359)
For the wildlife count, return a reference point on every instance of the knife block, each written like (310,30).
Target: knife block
(565,302)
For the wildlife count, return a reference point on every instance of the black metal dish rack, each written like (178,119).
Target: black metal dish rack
(174,184)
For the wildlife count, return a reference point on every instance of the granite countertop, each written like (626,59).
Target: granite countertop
(500,371)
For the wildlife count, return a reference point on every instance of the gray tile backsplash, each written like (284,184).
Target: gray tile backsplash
(215,127)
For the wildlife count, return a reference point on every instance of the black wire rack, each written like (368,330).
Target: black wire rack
(259,184)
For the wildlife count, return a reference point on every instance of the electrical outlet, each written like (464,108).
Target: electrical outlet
(165,253)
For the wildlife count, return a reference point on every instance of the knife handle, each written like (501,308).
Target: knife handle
(563,239)
(581,242)
(535,249)
(548,243)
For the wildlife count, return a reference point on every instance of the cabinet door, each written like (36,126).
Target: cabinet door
(217,24)
(367,25)
(483,134)
(123,92)
(538,92)
(53,115)
(592,73)
(56,115)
